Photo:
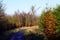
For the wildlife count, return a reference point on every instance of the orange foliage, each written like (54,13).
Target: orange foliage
(50,24)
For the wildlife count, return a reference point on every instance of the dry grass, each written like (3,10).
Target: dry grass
(28,29)
(32,28)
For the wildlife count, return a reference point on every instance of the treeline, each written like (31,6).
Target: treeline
(23,19)
(19,19)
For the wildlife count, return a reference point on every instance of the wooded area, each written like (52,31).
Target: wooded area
(49,21)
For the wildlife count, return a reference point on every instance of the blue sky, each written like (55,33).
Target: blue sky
(25,5)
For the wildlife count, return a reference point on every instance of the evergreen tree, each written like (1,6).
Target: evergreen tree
(41,20)
(56,13)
